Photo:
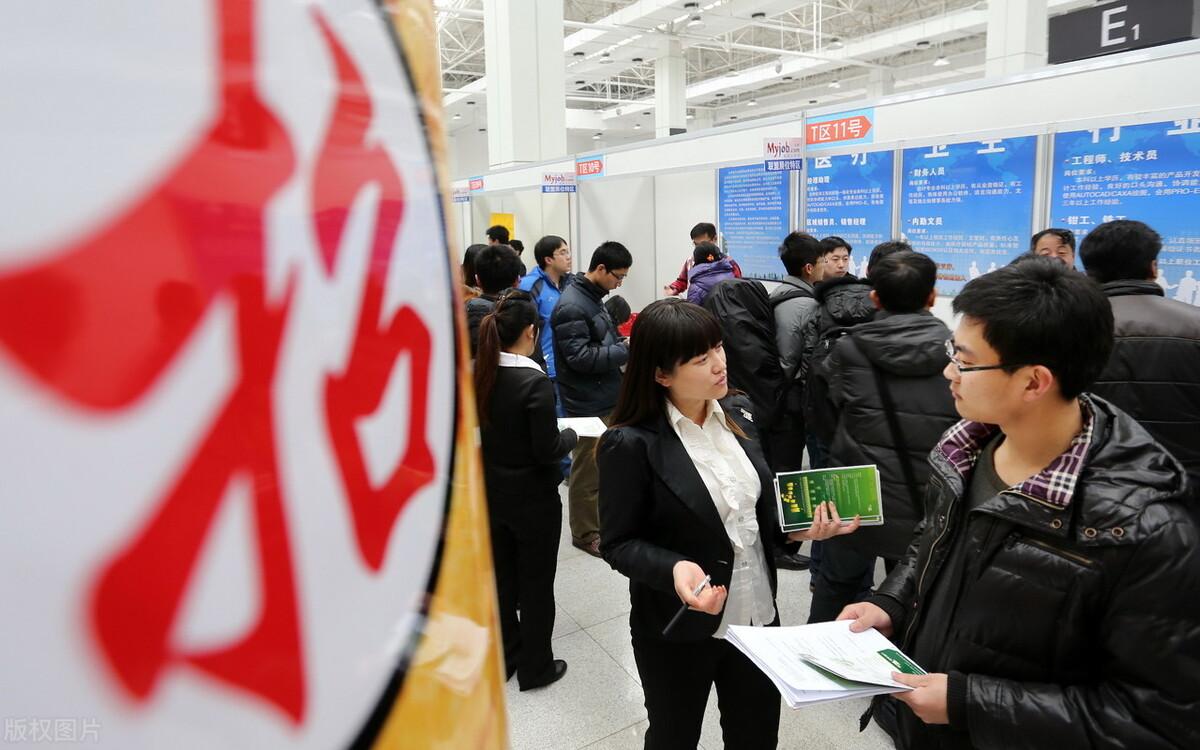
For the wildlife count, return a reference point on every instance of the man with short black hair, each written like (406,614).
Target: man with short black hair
(837,257)
(890,403)
(497,268)
(701,233)
(588,355)
(1055,243)
(497,235)
(1053,593)
(546,283)
(1154,371)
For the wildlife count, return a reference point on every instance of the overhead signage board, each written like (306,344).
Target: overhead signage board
(783,154)
(753,217)
(558,182)
(969,206)
(850,196)
(851,128)
(1121,26)
(475,183)
(588,167)
(461,194)
(1148,172)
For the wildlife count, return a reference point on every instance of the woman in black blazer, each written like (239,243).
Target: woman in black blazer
(522,448)
(685,492)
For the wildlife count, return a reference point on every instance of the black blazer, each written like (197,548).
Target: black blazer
(522,447)
(655,510)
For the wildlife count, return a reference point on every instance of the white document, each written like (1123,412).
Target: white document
(585,427)
(823,662)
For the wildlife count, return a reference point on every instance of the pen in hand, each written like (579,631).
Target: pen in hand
(684,608)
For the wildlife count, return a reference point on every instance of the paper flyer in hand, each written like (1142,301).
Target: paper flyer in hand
(854,491)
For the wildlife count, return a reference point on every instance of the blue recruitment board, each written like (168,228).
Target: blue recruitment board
(850,196)
(1146,172)
(969,206)
(752,216)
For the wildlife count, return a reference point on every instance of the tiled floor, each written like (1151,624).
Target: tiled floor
(598,704)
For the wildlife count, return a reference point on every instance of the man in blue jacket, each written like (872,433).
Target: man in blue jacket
(546,283)
(588,355)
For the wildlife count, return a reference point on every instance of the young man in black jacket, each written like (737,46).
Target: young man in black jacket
(497,268)
(1053,592)
(588,354)
(1154,370)
(884,382)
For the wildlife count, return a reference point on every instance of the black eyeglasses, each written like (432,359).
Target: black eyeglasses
(952,353)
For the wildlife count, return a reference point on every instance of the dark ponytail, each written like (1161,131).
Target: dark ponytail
(500,329)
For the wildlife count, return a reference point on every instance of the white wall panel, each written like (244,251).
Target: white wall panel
(681,200)
(621,210)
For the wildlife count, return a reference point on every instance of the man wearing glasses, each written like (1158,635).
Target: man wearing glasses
(588,355)
(1052,591)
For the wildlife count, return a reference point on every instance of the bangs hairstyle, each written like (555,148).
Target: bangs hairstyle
(666,334)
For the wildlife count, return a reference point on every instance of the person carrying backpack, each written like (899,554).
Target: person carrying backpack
(710,267)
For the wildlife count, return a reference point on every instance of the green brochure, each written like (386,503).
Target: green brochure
(854,490)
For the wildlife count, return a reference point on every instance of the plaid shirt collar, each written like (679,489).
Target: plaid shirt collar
(1054,485)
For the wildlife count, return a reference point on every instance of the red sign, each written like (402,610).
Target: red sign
(832,131)
(476,183)
(590,167)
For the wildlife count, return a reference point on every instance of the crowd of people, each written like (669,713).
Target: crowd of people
(1039,465)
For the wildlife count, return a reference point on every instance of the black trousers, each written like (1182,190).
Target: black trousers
(676,680)
(525,535)
(845,575)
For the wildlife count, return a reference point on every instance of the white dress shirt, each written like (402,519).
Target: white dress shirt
(734,487)
(508,359)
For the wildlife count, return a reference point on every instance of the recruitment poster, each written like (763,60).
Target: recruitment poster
(850,196)
(237,439)
(753,218)
(1148,172)
(969,206)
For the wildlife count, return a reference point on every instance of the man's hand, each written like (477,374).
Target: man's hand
(927,699)
(688,576)
(867,616)
(826,524)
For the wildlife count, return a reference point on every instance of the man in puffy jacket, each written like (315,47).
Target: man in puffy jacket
(884,381)
(1053,592)
(588,355)
(1154,371)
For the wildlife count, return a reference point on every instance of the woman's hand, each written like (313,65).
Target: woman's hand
(826,525)
(688,575)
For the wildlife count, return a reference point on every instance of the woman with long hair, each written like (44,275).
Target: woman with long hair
(522,448)
(685,494)
(470,283)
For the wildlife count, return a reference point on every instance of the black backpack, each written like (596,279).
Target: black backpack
(746,314)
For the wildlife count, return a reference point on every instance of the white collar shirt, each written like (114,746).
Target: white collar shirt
(508,359)
(734,487)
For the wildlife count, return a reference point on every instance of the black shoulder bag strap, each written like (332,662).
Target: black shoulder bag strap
(893,421)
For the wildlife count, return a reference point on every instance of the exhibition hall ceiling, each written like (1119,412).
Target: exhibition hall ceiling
(744,58)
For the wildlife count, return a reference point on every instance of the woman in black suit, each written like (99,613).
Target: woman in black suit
(522,448)
(685,493)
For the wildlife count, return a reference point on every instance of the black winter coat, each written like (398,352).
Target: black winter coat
(844,302)
(521,443)
(1154,371)
(655,511)
(588,351)
(477,309)
(909,352)
(1079,627)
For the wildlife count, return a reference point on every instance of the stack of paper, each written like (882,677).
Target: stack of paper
(585,427)
(823,662)
(854,491)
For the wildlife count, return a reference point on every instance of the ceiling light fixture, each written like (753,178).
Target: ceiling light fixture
(835,84)
(457,116)
(580,82)
(835,43)
(941,62)
(719,94)
(752,103)
(596,137)
(923,44)
(758,16)
(638,60)
(637,126)
(579,54)
(733,117)
(812,101)
(788,78)
(691,116)
(695,22)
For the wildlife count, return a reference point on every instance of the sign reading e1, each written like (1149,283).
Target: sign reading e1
(1121,26)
